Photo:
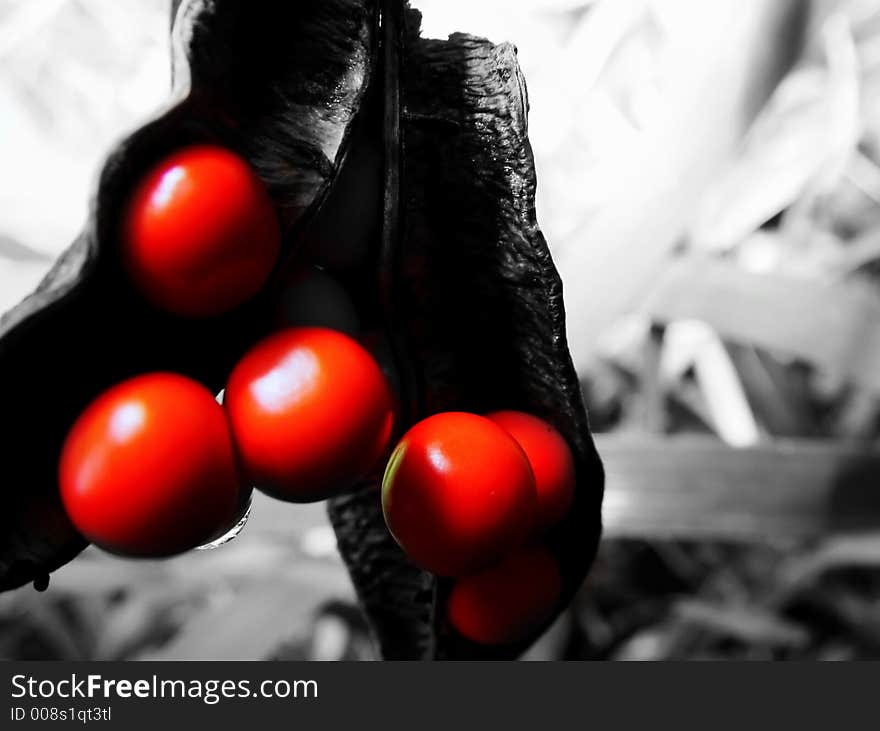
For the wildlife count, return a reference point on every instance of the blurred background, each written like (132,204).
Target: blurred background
(709,183)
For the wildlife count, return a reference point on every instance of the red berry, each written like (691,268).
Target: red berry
(509,601)
(200,235)
(458,493)
(551,460)
(148,468)
(310,413)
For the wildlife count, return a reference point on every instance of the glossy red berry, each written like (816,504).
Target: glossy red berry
(458,493)
(310,413)
(148,468)
(200,235)
(509,601)
(551,460)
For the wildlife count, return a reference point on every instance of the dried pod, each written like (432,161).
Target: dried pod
(281,84)
(401,162)
(475,303)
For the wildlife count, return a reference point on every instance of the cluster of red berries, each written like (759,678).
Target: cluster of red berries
(156,465)
(471,497)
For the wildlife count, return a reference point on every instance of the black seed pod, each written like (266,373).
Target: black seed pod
(329,101)
(476,307)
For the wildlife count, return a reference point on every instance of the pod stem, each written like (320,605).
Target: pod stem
(393,38)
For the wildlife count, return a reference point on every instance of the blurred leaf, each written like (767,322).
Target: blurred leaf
(784,149)
(697,487)
(551,645)
(15,251)
(330,639)
(858,551)
(748,624)
(650,192)
(779,395)
(255,621)
(651,644)
(861,251)
(144,619)
(693,343)
(48,620)
(844,124)
(834,326)
(94,573)
(801,141)
(236,562)
(857,416)
(860,617)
